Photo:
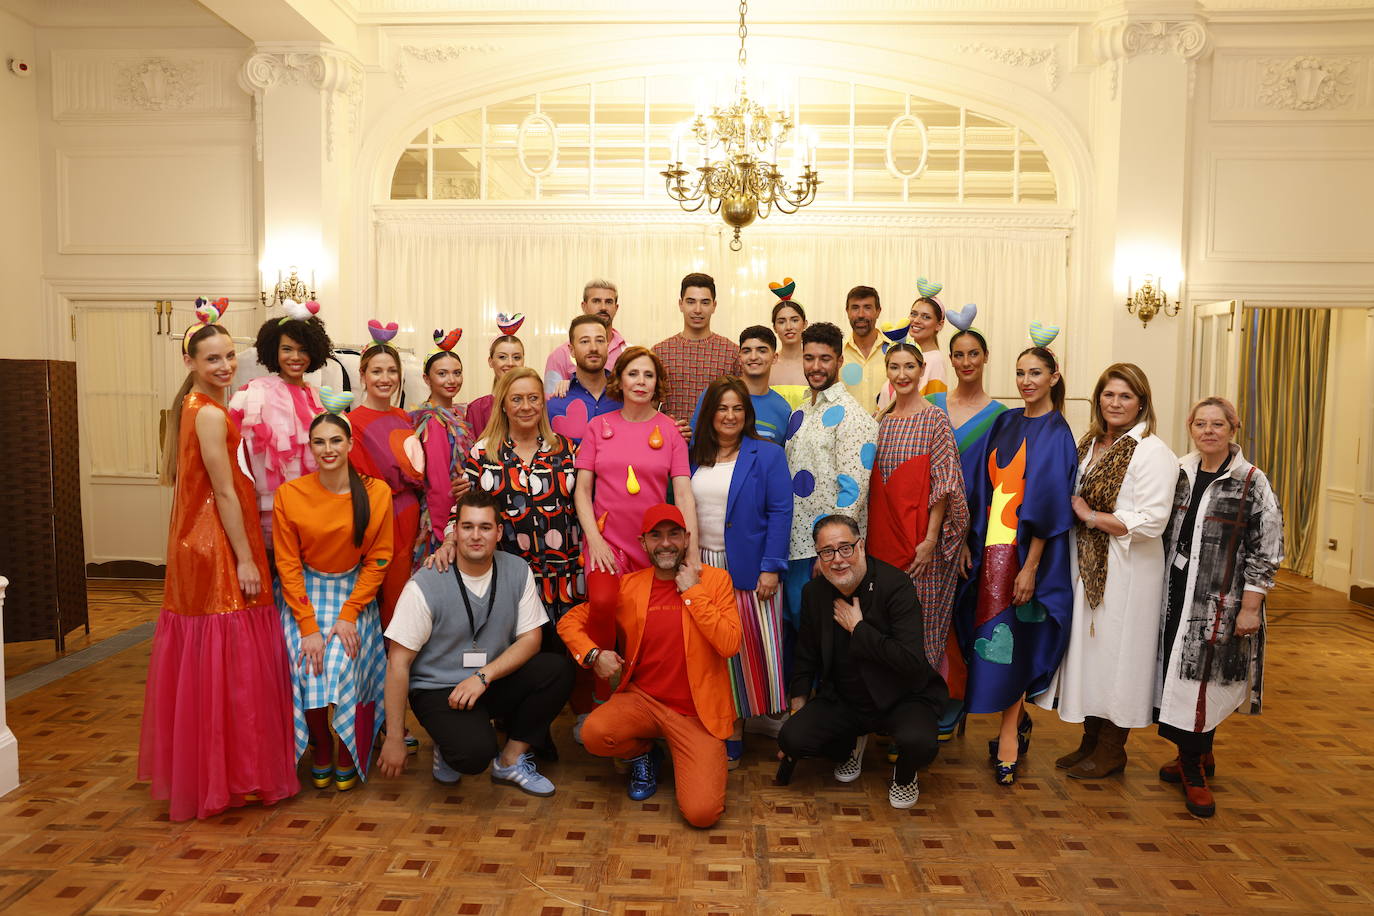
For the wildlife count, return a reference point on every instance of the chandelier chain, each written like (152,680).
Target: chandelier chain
(743,33)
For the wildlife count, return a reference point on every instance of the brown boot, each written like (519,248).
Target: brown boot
(1091,726)
(1107,758)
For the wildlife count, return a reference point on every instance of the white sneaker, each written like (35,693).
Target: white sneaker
(902,796)
(763,725)
(523,775)
(851,768)
(443,773)
(577,727)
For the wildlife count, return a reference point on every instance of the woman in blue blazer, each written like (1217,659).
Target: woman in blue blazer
(743,492)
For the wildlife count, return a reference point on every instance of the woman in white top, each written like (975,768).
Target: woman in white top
(743,495)
(1125,490)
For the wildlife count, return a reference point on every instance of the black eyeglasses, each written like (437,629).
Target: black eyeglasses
(844,551)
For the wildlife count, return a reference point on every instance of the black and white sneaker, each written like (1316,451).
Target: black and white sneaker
(443,773)
(902,795)
(851,768)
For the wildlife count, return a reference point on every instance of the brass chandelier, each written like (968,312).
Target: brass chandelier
(742,181)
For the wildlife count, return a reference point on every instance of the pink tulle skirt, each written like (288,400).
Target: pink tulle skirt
(217,715)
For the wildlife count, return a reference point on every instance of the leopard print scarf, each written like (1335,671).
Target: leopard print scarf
(1099,490)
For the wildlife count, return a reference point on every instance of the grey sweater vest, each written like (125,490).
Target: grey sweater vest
(439,663)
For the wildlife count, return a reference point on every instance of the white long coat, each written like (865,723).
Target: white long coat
(1108,669)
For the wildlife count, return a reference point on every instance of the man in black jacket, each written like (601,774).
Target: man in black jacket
(860,645)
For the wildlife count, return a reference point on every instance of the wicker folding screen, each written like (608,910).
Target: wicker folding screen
(42,550)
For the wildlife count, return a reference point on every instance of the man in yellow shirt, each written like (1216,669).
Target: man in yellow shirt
(864,373)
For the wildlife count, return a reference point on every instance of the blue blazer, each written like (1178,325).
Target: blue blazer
(758,513)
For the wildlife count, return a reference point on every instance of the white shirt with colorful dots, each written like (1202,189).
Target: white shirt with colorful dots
(830,451)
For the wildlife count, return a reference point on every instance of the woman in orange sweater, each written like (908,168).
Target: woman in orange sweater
(333,536)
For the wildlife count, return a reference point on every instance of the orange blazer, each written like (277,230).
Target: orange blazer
(710,634)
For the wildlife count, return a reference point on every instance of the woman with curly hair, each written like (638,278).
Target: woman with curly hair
(275,411)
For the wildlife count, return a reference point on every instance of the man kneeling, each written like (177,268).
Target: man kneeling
(676,625)
(861,642)
(465,646)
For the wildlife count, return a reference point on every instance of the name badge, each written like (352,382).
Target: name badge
(1180,560)
(474,659)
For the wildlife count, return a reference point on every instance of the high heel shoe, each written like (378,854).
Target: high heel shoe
(320,777)
(1023,737)
(1006,772)
(345,779)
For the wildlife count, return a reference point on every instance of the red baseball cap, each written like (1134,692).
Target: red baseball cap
(659,514)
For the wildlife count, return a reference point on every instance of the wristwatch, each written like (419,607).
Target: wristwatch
(481,676)
(590,658)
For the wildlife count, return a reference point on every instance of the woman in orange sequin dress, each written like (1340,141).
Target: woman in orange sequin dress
(217,716)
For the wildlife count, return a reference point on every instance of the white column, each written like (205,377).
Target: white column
(307,100)
(1142,113)
(9,747)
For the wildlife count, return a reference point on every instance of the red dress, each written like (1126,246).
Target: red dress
(379,451)
(217,715)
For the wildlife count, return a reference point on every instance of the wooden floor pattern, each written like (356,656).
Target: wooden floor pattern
(114,605)
(1294,830)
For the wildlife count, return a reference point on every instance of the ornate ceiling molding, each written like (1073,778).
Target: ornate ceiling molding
(433,54)
(334,73)
(1020,57)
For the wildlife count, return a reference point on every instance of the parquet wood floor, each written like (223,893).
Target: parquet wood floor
(1294,830)
(114,605)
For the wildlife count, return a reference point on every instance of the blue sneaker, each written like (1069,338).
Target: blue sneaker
(644,775)
(523,775)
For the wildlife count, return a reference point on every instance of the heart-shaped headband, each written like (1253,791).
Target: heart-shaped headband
(509,324)
(381,334)
(785,289)
(445,342)
(1042,335)
(299,311)
(207,313)
(962,318)
(928,289)
(335,402)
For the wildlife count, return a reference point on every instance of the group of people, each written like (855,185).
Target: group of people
(798,534)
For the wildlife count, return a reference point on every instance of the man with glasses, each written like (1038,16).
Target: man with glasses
(861,645)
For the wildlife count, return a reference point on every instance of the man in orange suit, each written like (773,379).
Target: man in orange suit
(675,627)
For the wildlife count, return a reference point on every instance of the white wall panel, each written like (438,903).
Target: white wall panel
(124,85)
(1291,206)
(1276,84)
(159,200)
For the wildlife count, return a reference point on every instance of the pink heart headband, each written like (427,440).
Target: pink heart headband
(381,334)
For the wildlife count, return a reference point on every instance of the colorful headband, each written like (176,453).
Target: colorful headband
(962,318)
(1041,335)
(444,343)
(785,289)
(335,402)
(207,313)
(927,289)
(299,311)
(381,335)
(896,335)
(509,324)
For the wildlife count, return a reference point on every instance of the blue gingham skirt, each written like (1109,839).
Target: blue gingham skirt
(346,683)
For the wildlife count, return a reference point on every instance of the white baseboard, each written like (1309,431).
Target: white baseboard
(9,762)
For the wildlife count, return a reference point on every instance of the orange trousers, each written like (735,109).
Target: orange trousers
(626,725)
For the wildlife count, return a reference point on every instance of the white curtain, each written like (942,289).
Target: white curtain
(461,272)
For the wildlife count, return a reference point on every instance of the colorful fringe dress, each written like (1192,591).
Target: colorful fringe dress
(217,706)
(447,438)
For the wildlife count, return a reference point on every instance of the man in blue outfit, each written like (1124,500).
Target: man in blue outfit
(758,351)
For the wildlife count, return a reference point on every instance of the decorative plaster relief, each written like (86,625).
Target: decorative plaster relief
(1307,83)
(1020,57)
(433,54)
(1333,84)
(334,73)
(1120,38)
(123,85)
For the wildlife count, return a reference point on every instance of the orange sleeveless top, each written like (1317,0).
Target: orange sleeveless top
(202,577)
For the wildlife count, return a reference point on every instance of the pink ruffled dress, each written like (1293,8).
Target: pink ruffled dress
(275,418)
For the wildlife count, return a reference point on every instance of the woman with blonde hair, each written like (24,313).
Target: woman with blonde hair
(1126,477)
(1223,543)
(217,723)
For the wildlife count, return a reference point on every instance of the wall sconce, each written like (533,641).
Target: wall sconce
(1145,297)
(293,287)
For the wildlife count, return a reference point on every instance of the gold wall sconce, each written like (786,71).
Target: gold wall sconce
(1145,298)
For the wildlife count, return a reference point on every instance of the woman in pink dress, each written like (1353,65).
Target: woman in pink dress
(446,436)
(507,352)
(217,717)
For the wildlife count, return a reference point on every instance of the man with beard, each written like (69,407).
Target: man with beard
(861,645)
(599,298)
(830,454)
(587,338)
(676,626)
(864,372)
(465,648)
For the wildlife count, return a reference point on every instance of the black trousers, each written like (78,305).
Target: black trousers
(828,727)
(1191,745)
(527,699)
